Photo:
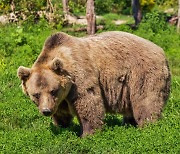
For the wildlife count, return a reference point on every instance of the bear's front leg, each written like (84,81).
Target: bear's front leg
(62,117)
(63,120)
(90,112)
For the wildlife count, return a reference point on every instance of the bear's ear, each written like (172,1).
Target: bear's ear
(23,73)
(56,65)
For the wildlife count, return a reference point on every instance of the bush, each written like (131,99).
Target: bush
(154,25)
(147,5)
(113,6)
(155,22)
(170,3)
(22,5)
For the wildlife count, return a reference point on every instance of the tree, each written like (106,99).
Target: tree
(91,17)
(178,25)
(136,9)
(65,9)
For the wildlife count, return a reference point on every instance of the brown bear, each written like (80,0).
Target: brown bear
(112,72)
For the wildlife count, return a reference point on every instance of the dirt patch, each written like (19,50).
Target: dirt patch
(120,22)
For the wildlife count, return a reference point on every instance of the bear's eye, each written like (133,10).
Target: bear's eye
(36,95)
(54,92)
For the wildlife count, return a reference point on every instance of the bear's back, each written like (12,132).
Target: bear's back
(121,48)
(108,50)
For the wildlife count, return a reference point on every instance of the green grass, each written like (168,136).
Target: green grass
(24,130)
(113,16)
(108,20)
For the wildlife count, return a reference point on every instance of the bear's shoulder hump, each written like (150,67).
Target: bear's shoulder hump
(56,40)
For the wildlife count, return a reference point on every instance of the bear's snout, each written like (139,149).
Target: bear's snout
(46,112)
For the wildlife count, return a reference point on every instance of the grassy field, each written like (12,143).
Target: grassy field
(24,130)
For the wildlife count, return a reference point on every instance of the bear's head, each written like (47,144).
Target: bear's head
(47,86)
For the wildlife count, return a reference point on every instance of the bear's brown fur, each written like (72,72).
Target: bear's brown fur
(112,72)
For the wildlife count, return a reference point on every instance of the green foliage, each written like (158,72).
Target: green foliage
(113,6)
(154,25)
(33,5)
(147,5)
(154,22)
(22,5)
(24,130)
(147,2)
(4,6)
(77,7)
(169,3)
(158,31)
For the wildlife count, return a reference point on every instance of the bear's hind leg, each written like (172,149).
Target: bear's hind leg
(147,112)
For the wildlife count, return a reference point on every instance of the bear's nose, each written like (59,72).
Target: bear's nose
(46,112)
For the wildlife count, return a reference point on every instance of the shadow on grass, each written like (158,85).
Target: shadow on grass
(110,121)
(113,120)
(75,128)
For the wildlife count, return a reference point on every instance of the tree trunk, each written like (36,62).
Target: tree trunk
(65,9)
(136,9)
(178,25)
(91,17)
